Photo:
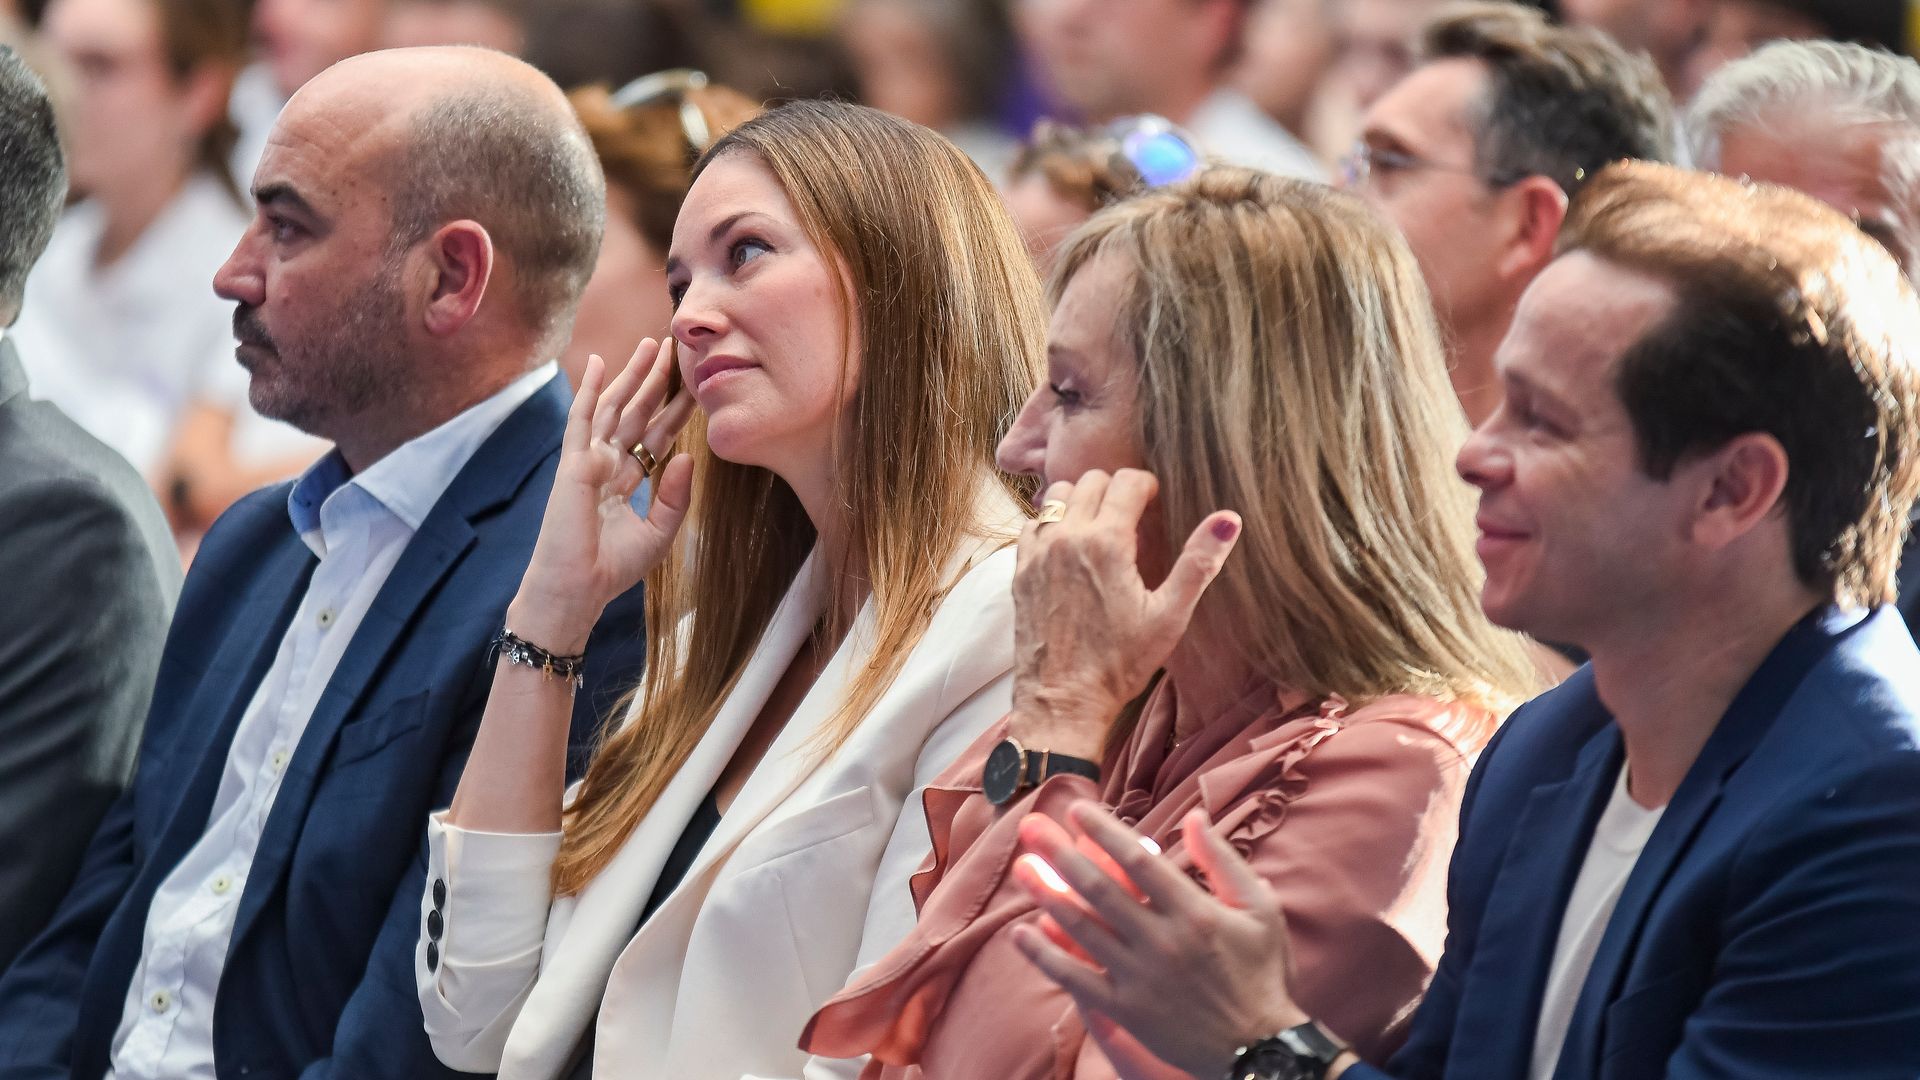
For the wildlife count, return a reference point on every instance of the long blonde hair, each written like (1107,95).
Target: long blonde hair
(952,323)
(1290,370)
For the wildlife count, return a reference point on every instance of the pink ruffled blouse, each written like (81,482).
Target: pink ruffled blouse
(1349,813)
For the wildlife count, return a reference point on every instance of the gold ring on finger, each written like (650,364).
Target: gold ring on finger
(648,463)
(1050,511)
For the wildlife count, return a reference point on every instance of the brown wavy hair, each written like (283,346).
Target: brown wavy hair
(953,325)
(643,149)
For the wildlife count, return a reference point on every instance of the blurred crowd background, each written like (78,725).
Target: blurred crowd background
(166,105)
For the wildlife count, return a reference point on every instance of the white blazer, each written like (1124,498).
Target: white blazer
(803,881)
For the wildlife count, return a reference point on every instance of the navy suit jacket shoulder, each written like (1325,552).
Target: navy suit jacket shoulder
(1767,929)
(319,974)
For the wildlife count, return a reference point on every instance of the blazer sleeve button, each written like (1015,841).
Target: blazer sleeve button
(435,924)
(433,957)
(439,892)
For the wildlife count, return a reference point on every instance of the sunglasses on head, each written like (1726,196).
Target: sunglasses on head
(1157,151)
(673,85)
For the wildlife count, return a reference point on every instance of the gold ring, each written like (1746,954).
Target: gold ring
(648,463)
(1050,511)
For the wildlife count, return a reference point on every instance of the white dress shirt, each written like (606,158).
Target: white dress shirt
(1618,839)
(1232,128)
(357,526)
(124,348)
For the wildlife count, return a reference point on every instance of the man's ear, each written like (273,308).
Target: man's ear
(1741,485)
(1537,206)
(460,261)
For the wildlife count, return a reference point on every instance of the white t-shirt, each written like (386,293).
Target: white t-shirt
(1618,839)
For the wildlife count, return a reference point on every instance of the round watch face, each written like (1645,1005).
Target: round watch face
(1272,1061)
(1000,781)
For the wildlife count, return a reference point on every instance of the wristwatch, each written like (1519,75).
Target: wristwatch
(1012,768)
(1298,1053)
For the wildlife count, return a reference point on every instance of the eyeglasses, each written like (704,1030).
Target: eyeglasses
(673,85)
(1360,163)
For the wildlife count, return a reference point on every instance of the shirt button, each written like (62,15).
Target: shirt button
(325,618)
(221,885)
(160,1001)
(279,761)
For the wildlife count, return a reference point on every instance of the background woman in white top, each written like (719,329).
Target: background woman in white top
(858,321)
(120,326)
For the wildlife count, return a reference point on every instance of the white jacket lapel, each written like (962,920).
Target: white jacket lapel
(575,970)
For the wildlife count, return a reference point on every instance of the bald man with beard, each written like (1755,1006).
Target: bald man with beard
(426,221)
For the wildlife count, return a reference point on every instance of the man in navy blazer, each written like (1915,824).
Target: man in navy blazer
(1700,856)
(426,221)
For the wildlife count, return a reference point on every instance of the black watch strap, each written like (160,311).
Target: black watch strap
(1012,768)
(1044,763)
(1305,1052)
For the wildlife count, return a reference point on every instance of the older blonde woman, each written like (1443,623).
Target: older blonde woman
(1273,362)
(833,626)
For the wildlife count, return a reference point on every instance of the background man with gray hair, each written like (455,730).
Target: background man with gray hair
(1841,123)
(1474,155)
(426,221)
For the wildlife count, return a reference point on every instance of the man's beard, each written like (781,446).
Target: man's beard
(350,359)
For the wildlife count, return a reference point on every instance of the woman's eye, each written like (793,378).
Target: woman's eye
(747,249)
(1064,395)
(675,291)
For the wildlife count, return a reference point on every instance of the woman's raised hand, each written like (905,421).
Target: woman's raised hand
(1088,633)
(592,545)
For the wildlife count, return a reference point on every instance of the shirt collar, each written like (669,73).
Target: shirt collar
(411,479)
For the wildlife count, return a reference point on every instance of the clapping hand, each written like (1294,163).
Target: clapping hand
(1088,632)
(1170,979)
(593,546)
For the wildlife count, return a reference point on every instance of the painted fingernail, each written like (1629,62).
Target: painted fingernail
(1226,529)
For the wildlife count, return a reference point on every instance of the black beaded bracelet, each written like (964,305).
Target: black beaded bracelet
(519,650)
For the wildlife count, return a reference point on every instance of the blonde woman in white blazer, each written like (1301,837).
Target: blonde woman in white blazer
(857,322)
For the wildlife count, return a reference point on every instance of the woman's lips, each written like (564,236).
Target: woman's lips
(714,366)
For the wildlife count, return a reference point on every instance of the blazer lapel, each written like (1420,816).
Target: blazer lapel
(1515,943)
(13,374)
(491,478)
(607,912)
(791,758)
(1746,722)
(232,678)
(253,631)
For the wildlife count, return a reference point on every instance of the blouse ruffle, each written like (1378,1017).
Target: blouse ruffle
(1358,881)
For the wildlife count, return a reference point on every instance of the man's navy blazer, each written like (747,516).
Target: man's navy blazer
(319,973)
(1771,927)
